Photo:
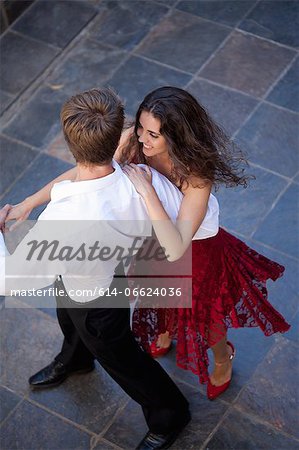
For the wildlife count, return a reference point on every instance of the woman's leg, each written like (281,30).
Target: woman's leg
(223,368)
(164,340)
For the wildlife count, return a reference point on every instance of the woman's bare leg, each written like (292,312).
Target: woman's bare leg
(223,372)
(164,340)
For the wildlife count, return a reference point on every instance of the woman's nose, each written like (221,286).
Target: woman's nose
(141,137)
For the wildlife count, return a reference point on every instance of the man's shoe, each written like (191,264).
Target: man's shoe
(54,374)
(152,441)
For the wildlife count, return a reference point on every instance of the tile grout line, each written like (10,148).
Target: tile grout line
(18,177)
(13,409)
(33,39)
(279,44)
(159,63)
(223,42)
(105,441)
(258,105)
(17,141)
(260,421)
(116,414)
(245,94)
(253,417)
(266,169)
(220,46)
(216,428)
(17,19)
(276,200)
(257,418)
(136,47)
(262,98)
(9,113)
(60,416)
(279,78)
(41,313)
(256,241)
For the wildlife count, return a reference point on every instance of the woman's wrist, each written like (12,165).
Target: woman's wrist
(149,193)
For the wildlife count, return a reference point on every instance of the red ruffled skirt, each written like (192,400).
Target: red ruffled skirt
(228,290)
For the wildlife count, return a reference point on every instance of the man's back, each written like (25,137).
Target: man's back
(101,221)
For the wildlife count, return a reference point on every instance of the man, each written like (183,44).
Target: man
(92,123)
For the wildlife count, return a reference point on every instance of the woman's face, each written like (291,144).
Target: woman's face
(149,135)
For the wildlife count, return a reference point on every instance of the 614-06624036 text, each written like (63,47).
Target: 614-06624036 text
(128,292)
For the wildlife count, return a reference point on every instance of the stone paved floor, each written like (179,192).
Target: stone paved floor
(240,59)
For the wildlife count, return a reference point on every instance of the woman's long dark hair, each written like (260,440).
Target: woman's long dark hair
(197,146)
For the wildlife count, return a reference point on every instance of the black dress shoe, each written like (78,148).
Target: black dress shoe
(153,441)
(54,374)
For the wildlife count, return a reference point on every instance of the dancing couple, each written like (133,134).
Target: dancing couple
(173,136)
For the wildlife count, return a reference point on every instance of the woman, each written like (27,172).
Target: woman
(174,135)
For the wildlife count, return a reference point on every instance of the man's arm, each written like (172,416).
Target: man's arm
(24,273)
(21,211)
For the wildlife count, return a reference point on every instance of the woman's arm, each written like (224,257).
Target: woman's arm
(123,143)
(22,210)
(175,239)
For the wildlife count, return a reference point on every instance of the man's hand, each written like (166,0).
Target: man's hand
(19,212)
(3,214)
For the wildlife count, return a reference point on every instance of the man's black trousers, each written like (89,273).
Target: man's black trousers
(104,333)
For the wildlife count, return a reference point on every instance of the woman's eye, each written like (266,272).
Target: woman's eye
(154,136)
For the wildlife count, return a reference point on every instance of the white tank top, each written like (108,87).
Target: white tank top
(210,225)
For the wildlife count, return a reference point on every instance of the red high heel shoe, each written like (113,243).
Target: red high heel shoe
(214,391)
(156,352)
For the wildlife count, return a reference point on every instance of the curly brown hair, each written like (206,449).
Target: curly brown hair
(198,147)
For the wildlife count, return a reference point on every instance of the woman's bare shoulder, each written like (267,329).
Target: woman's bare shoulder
(195,185)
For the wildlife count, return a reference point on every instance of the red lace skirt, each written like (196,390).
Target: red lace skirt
(228,290)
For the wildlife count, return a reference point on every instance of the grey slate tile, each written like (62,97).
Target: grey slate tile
(274,382)
(293,333)
(137,77)
(242,432)
(22,60)
(55,22)
(12,11)
(277,21)
(8,401)
(14,158)
(89,399)
(167,2)
(124,23)
(128,429)
(88,65)
(38,121)
(228,108)
(5,100)
(242,209)
(286,91)
(247,63)
(280,227)
(174,40)
(226,12)
(43,170)
(283,293)
(271,138)
(103,445)
(35,341)
(30,427)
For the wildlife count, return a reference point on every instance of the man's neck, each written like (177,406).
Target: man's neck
(93,172)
